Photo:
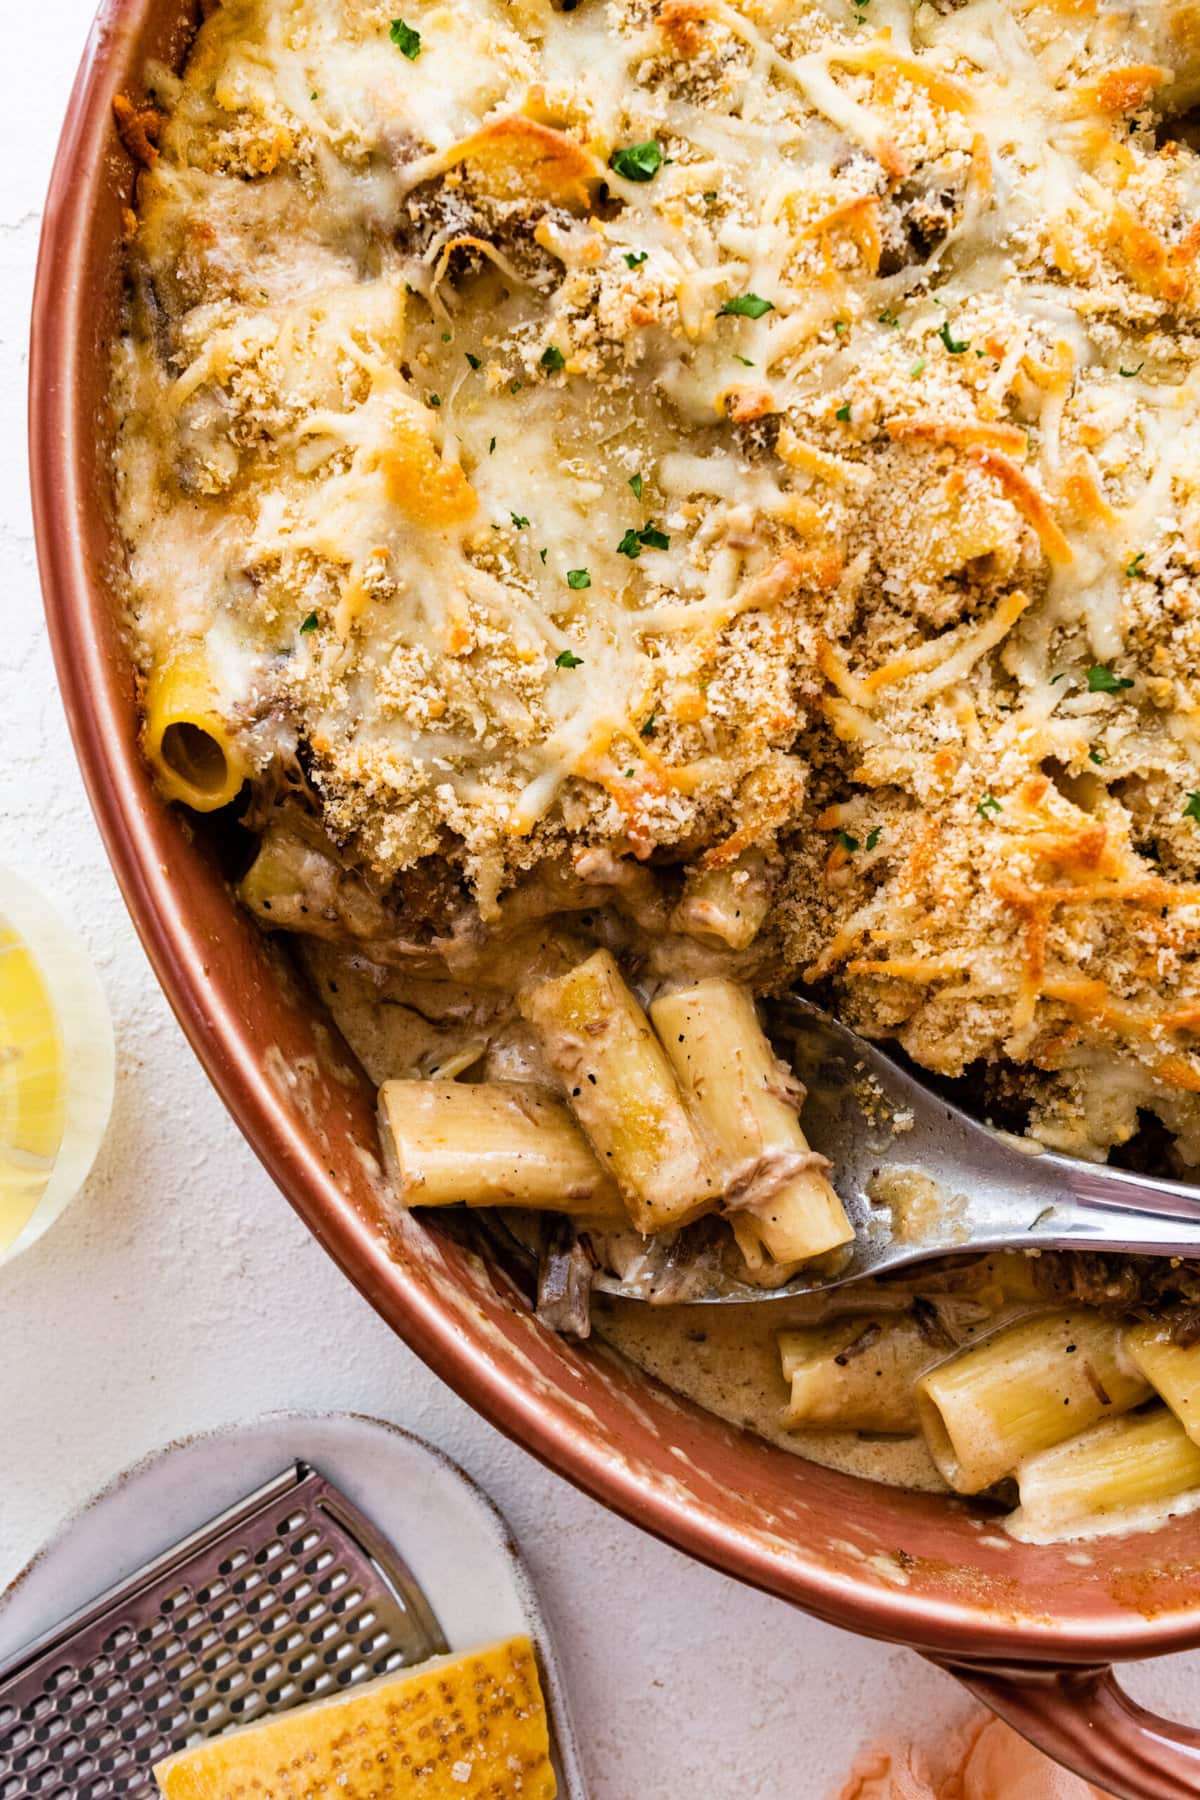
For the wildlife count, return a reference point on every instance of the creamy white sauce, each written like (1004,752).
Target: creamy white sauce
(725,1359)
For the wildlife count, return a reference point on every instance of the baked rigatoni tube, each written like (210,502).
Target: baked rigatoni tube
(186,735)
(1171,1368)
(776,1189)
(621,1088)
(1116,1467)
(725,905)
(491,1143)
(293,886)
(1024,1388)
(855,1374)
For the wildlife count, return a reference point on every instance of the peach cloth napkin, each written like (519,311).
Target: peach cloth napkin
(986,1761)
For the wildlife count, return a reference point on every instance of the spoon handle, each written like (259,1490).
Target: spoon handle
(1117,1210)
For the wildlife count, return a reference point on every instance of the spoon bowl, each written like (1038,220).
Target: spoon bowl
(919,1178)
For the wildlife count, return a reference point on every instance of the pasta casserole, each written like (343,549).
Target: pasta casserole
(636,506)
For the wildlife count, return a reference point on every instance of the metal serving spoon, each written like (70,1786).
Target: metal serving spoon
(919,1178)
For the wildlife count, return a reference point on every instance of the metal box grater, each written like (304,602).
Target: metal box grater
(287,1596)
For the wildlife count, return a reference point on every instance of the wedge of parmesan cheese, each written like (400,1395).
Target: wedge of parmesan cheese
(461,1727)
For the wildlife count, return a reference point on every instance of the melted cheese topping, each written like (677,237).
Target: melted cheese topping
(820,477)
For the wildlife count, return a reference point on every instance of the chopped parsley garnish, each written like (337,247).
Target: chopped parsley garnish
(744,360)
(543,553)
(310,624)
(988,806)
(491,446)
(710,196)
(1135,567)
(918,367)
(847,843)
(1098,757)
(313,95)
(635,262)
(514,387)
(519,520)
(1130,373)
(1192,808)
(1101,680)
(954,345)
(746,306)
(646,728)
(635,482)
(637,162)
(553,358)
(889,318)
(1055,679)
(445,337)
(406,40)
(578,578)
(840,325)
(629,774)
(649,536)
(873,836)
(435,399)
(843,413)
(473,360)
(566,659)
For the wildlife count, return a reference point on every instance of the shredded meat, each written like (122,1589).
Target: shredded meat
(869,1335)
(1125,1284)
(1094,1382)
(565,1269)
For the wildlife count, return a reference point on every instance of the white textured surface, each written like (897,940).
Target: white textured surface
(179,1292)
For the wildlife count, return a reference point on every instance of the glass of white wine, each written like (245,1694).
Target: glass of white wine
(56,1065)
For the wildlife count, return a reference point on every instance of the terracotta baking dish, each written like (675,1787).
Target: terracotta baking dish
(1032,1630)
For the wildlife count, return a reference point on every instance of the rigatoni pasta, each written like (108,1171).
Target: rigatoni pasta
(295,884)
(187,734)
(1125,1466)
(620,1086)
(775,1187)
(457,1143)
(857,1373)
(1036,1382)
(1170,1366)
(728,904)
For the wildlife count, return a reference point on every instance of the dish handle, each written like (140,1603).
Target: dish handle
(1085,1720)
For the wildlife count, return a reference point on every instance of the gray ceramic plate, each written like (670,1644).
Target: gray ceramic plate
(448,1533)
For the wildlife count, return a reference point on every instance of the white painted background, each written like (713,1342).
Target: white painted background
(180,1292)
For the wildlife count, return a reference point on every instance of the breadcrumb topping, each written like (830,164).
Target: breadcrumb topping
(679,429)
